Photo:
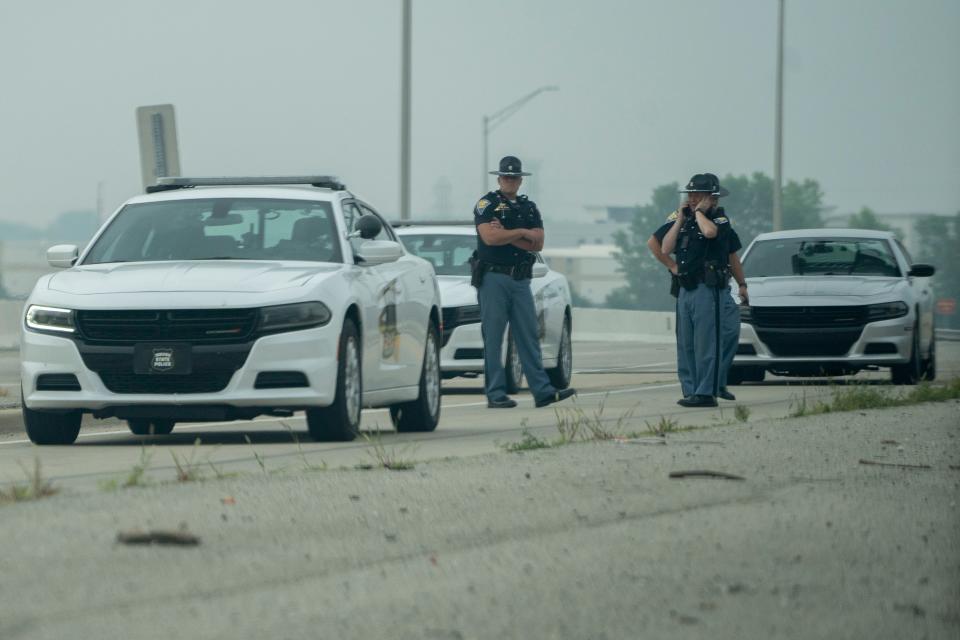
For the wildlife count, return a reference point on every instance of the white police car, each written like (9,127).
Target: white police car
(227,298)
(448,246)
(834,302)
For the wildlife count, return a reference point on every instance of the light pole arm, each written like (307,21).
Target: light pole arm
(494,120)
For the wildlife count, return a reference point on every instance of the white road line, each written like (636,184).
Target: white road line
(629,368)
(204,425)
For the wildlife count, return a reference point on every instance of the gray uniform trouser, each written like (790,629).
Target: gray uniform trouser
(729,333)
(505,300)
(700,336)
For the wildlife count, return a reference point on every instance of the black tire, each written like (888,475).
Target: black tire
(561,374)
(512,367)
(908,373)
(45,428)
(739,375)
(928,369)
(340,422)
(144,427)
(422,414)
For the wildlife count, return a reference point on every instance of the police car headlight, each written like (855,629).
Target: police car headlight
(50,319)
(293,317)
(886,311)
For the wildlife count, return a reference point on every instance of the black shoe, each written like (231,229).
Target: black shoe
(563,394)
(698,401)
(726,395)
(501,403)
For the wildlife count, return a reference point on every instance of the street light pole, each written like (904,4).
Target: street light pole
(405,115)
(494,120)
(778,130)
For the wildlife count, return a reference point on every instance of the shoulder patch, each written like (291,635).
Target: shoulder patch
(483,204)
(720,220)
(672,217)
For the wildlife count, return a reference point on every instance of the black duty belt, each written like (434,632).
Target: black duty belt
(506,269)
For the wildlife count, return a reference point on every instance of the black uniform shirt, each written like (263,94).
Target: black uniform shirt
(521,214)
(693,249)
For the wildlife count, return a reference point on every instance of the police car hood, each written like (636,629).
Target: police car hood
(215,276)
(789,291)
(455,291)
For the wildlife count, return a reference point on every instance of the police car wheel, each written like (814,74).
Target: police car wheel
(908,373)
(422,414)
(514,368)
(561,374)
(51,428)
(340,421)
(142,427)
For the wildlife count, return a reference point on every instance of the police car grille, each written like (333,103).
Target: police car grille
(121,381)
(809,331)
(809,317)
(197,326)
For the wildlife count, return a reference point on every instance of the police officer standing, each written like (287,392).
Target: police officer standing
(730,314)
(702,241)
(509,229)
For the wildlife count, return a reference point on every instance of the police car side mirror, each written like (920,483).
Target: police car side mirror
(369,226)
(540,270)
(62,256)
(921,271)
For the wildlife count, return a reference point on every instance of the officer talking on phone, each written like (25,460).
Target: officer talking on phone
(509,230)
(703,241)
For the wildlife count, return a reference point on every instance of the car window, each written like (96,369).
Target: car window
(448,253)
(820,257)
(906,254)
(219,229)
(386,232)
(351,213)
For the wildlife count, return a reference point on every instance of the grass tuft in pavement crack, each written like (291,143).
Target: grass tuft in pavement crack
(37,486)
(386,458)
(528,442)
(741,412)
(188,469)
(856,397)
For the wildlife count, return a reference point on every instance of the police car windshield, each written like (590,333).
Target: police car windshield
(447,253)
(220,229)
(821,257)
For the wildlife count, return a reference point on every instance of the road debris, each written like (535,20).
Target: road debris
(158,536)
(702,473)
(653,440)
(894,464)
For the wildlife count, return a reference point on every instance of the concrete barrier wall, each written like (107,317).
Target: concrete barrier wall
(10,311)
(627,326)
(588,324)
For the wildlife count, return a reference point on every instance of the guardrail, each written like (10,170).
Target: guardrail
(951,335)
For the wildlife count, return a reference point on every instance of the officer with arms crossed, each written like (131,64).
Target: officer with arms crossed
(509,229)
(730,315)
(703,241)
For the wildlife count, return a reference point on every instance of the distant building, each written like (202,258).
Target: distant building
(590,269)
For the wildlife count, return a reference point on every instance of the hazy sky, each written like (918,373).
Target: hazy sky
(651,91)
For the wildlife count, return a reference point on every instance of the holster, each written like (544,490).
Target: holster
(477,269)
(716,274)
(674,285)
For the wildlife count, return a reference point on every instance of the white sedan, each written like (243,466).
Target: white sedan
(833,302)
(227,298)
(448,246)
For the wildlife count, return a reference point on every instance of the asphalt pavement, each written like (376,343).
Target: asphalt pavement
(843,526)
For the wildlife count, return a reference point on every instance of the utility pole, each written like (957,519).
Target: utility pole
(405,114)
(778,129)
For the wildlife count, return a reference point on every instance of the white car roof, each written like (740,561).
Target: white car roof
(436,229)
(279,192)
(827,234)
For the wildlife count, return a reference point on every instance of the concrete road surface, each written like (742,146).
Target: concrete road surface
(583,541)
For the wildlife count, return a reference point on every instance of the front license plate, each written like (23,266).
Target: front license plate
(162,359)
